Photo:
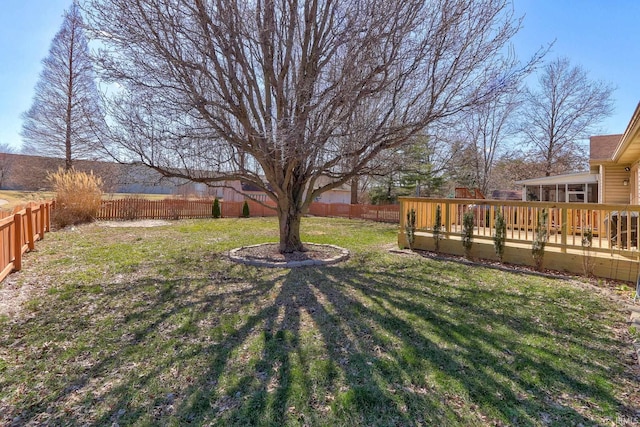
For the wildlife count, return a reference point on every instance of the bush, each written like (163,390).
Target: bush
(437,228)
(540,239)
(215,210)
(500,237)
(410,227)
(78,197)
(587,259)
(245,210)
(467,232)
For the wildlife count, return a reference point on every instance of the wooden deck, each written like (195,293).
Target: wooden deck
(613,251)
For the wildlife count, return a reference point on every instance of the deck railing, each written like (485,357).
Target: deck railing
(611,226)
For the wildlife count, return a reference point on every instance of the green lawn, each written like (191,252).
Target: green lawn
(155,326)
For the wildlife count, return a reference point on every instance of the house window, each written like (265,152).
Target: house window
(562,193)
(592,193)
(574,193)
(549,193)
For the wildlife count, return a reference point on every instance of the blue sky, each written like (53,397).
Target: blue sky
(602,36)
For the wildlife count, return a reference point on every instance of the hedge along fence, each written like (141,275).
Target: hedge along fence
(20,231)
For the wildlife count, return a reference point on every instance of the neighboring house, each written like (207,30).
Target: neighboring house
(235,191)
(614,167)
(506,195)
(29,173)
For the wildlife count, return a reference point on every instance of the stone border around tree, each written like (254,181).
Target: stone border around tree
(236,256)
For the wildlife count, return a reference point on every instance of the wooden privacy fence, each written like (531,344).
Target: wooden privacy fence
(129,209)
(19,232)
(380,213)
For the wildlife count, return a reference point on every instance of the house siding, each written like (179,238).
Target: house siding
(614,190)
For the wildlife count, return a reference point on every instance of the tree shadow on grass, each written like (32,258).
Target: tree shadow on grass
(336,346)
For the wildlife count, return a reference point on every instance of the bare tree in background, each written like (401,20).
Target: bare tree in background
(65,114)
(280,93)
(487,129)
(565,109)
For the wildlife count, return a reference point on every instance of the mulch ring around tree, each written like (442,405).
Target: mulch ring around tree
(268,255)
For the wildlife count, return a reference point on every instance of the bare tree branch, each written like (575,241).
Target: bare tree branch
(285,92)
(565,109)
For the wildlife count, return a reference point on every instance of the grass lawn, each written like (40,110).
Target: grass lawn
(155,326)
(15,198)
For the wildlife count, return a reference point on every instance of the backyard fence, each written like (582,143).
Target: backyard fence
(132,208)
(129,209)
(380,213)
(19,232)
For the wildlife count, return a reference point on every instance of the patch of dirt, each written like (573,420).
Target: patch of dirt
(135,223)
(12,296)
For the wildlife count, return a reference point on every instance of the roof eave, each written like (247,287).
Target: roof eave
(629,133)
(572,178)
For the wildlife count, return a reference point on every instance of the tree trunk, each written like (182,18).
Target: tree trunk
(354,190)
(289,218)
(70,97)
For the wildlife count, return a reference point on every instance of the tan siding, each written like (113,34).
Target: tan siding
(633,181)
(614,189)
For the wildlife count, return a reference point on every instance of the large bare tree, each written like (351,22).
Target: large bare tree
(280,93)
(65,114)
(564,110)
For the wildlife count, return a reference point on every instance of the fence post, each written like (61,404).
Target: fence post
(17,228)
(41,218)
(47,215)
(31,241)
(564,229)
(447,215)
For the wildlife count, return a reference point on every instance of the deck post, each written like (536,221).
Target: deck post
(564,229)
(447,221)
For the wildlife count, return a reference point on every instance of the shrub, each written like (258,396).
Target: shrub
(245,210)
(215,209)
(587,259)
(410,227)
(540,239)
(500,235)
(78,197)
(437,228)
(467,232)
